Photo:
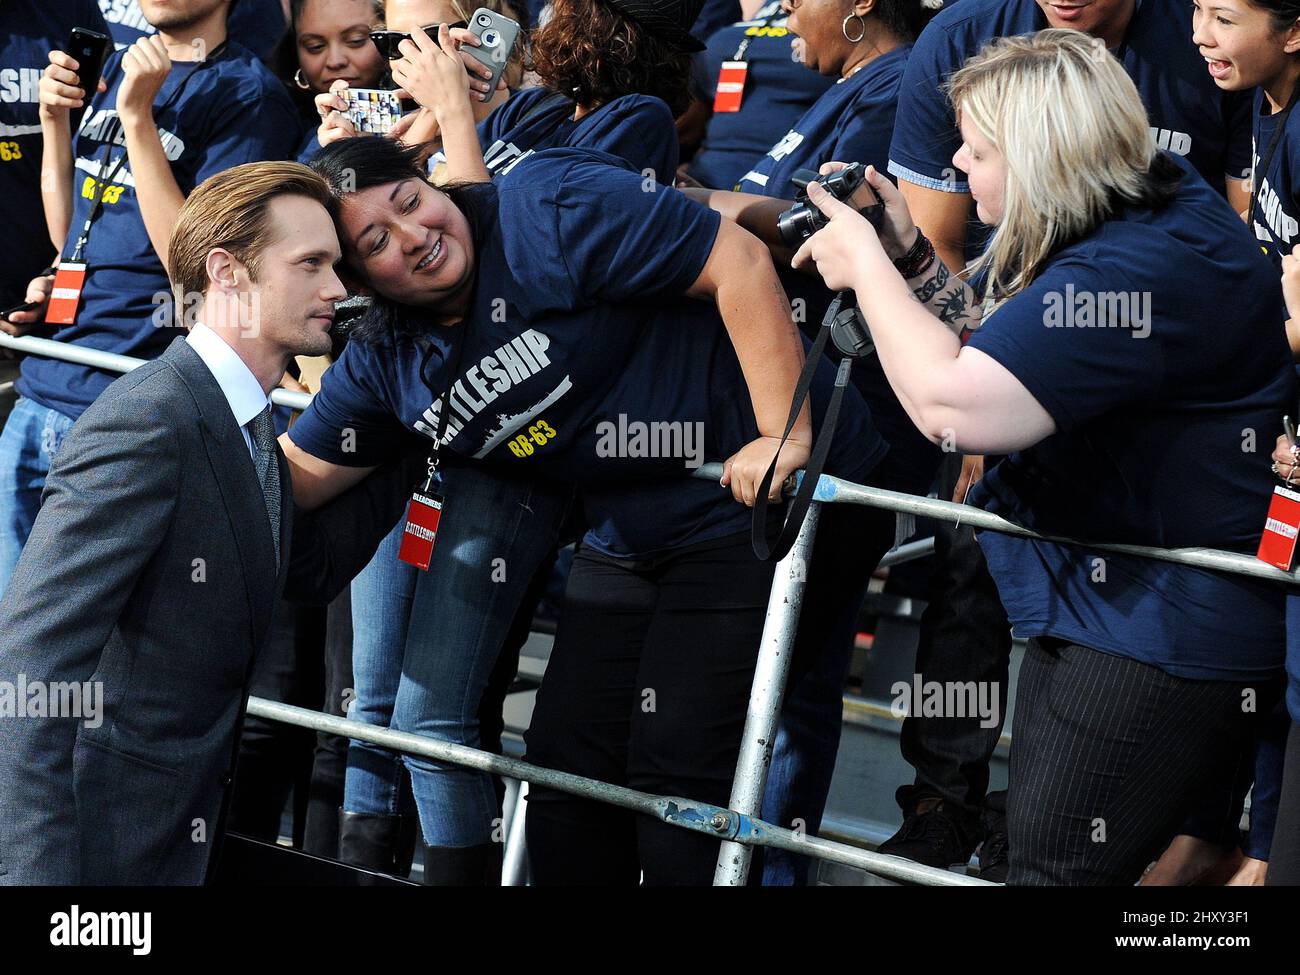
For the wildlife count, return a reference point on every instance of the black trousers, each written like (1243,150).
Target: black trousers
(1109,757)
(965,636)
(648,685)
(1284,859)
(275,759)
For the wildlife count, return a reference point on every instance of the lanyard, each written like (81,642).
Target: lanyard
(103,179)
(744,43)
(1257,175)
(444,412)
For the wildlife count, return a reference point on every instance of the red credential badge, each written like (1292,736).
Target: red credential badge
(1277,545)
(731,86)
(65,295)
(421,529)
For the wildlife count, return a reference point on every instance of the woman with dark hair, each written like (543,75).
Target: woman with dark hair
(534,325)
(405,613)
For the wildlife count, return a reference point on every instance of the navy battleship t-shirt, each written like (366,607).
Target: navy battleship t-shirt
(778,90)
(583,361)
(1165,406)
(211,115)
(1277,213)
(29,31)
(1189,115)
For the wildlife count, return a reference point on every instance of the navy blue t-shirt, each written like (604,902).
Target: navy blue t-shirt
(1165,405)
(1277,214)
(583,361)
(29,31)
(637,128)
(851,122)
(713,16)
(255,24)
(1189,115)
(211,115)
(778,90)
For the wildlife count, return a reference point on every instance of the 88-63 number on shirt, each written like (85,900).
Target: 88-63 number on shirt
(538,435)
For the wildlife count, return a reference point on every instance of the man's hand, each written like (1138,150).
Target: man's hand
(145,67)
(744,470)
(22,322)
(60,88)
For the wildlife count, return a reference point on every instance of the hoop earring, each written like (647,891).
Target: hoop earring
(844,28)
(300,80)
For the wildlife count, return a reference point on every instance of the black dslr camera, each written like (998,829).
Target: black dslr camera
(803,219)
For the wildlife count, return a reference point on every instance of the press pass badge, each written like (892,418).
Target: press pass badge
(65,296)
(731,86)
(421,529)
(1277,545)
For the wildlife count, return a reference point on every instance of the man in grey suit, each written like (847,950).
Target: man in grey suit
(161,548)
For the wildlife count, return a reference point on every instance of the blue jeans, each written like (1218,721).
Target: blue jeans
(425,643)
(31,436)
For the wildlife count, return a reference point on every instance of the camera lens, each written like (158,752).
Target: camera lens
(483,19)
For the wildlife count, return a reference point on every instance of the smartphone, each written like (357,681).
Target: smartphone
(89,48)
(498,35)
(387,40)
(373,109)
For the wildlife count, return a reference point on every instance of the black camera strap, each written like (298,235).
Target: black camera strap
(835,319)
(1258,176)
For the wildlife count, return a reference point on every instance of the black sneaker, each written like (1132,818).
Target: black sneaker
(931,836)
(994,862)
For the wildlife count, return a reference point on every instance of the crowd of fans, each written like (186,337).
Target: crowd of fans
(1078,279)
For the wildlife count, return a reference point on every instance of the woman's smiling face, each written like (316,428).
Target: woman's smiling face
(412,244)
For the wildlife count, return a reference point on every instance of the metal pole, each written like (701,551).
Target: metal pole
(684,813)
(774,651)
(112,362)
(514,872)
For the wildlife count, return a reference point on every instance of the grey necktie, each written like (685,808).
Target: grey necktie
(262,430)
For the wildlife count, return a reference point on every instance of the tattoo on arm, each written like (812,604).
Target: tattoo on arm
(929,286)
(956,306)
(953,307)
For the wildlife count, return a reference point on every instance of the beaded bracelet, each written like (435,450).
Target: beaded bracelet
(917,259)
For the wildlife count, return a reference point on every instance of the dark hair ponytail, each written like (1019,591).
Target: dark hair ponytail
(907,18)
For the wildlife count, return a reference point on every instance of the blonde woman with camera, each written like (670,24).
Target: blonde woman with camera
(1123,398)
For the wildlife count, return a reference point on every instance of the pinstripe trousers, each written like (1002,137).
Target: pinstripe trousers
(1108,756)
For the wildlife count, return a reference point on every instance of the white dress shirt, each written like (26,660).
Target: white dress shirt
(242,390)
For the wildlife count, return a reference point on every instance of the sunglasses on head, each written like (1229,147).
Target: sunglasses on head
(388,40)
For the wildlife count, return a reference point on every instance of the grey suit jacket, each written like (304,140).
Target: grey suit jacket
(150,570)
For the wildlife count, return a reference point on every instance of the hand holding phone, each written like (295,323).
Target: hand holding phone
(497,35)
(88,48)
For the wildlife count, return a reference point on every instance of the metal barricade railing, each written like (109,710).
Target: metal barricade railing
(738,827)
